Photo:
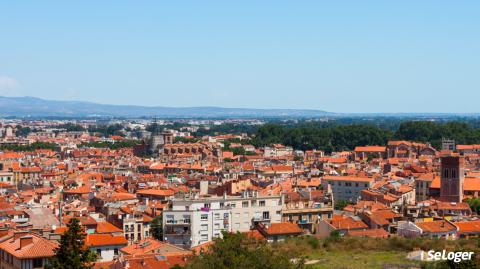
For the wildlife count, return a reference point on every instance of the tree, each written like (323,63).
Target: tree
(156,227)
(341,204)
(236,250)
(72,252)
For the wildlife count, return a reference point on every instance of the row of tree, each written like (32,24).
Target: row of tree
(346,137)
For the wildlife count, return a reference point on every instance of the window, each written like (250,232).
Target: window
(237,225)
(217,226)
(115,251)
(99,252)
(356,184)
(245,204)
(366,185)
(204,217)
(262,203)
(37,263)
(254,203)
(232,205)
(445,172)
(126,236)
(266,215)
(204,237)
(207,205)
(217,216)
(237,215)
(222,204)
(225,215)
(204,227)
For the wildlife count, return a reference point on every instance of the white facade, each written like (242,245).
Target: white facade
(190,222)
(346,189)
(106,253)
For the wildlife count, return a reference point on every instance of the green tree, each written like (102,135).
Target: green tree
(156,227)
(236,250)
(341,204)
(72,252)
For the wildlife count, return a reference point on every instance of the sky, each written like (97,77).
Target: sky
(338,56)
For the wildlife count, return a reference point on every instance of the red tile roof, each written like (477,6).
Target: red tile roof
(39,247)
(96,240)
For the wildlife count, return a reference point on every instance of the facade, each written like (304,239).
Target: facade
(6,177)
(307,208)
(346,188)
(191,222)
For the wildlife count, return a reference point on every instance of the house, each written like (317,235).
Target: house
(435,229)
(106,246)
(26,250)
(468,229)
(279,231)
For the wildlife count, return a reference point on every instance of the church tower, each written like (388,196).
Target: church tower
(452,176)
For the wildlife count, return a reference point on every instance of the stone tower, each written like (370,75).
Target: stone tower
(452,176)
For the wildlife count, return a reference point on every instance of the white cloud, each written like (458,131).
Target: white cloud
(9,86)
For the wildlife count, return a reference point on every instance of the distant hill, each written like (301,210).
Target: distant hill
(36,107)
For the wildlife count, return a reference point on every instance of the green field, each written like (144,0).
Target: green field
(363,259)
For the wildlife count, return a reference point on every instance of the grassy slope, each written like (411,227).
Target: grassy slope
(333,253)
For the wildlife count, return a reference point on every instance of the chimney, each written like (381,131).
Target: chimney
(25,241)
(3,231)
(19,234)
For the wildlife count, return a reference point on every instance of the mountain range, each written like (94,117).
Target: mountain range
(37,107)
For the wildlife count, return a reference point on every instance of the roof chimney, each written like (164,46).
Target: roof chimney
(3,231)
(25,241)
(19,234)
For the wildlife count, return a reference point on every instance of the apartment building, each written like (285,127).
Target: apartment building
(193,221)
(346,188)
(306,208)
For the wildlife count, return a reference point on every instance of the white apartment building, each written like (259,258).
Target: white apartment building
(192,221)
(346,188)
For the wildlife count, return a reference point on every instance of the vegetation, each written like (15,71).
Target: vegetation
(72,252)
(179,139)
(70,127)
(111,145)
(341,204)
(22,131)
(474,204)
(331,138)
(156,227)
(31,147)
(240,251)
(237,251)
(107,130)
(338,137)
(354,252)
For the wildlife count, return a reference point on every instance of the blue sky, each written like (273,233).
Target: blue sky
(340,56)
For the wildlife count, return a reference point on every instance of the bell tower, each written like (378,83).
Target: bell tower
(452,176)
